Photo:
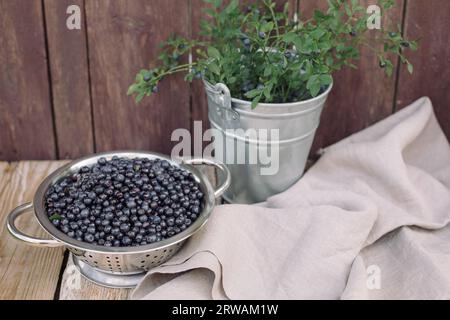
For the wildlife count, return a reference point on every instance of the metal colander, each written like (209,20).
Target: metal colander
(117,266)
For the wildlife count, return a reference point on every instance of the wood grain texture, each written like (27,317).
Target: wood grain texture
(69,80)
(199,103)
(123,37)
(429,21)
(25,108)
(76,287)
(359,97)
(26,272)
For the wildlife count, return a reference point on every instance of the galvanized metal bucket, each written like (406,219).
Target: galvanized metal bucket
(296,124)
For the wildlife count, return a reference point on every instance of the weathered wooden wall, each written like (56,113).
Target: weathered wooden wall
(62,92)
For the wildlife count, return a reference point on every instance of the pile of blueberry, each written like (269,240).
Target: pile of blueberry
(125,202)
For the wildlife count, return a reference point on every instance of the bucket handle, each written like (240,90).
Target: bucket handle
(223,99)
(16,233)
(226,172)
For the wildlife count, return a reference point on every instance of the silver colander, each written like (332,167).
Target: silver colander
(117,266)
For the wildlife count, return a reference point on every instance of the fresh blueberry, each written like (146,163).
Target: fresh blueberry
(125,202)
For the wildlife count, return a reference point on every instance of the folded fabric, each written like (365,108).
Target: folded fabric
(367,221)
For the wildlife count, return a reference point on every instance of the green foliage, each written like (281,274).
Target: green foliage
(264,56)
(55,217)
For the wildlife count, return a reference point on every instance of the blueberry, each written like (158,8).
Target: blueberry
(124,227)
(126,241)
(125,202)
(156,220)
(115,231)
(138,238)
(84,213)
(89,238)
(262,35)
(382,64)
(131,204)
(147,76)
(105,223)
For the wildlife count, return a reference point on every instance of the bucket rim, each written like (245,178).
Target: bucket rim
(278,105)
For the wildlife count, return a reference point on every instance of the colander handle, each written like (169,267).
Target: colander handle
(16,233)
(226,173)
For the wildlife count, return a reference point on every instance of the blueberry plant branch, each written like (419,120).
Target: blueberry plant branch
(264,56)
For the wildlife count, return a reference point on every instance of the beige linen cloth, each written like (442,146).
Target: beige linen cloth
(368,221)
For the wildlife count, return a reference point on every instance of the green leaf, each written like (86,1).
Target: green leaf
(268,70)
(214,68)
(413,45)
(325,79)
(318,15)
(289,37)
(267,27)
(410,67)
(140,96)
(266,92)
(214,53)
(217,3)
(313,85)
(231,80)
(232,6)
(55,217)
(255,102)
(210,12)
(253,93)
(317,33)
(132,89)
(347,9)
(329,61)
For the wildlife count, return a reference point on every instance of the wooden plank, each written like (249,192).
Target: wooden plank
(429,21)
(123,37)
(70,80)
(83,289)
(359,97)
(25,106)
(198,96)
(26,272)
